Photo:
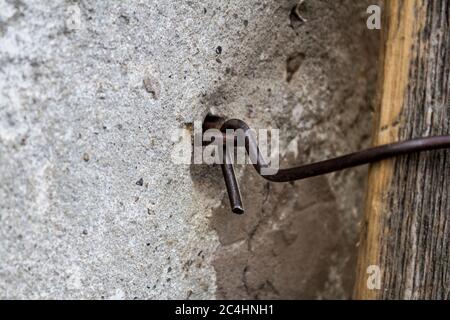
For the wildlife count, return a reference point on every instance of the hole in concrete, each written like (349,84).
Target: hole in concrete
(212,122)
(207,179)
(293,64)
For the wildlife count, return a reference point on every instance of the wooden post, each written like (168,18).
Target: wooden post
(406,231)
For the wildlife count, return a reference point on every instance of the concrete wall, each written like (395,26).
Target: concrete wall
(91,205)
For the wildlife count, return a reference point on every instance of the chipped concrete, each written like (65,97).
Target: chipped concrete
(87,112)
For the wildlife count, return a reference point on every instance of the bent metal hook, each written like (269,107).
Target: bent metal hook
(315,169)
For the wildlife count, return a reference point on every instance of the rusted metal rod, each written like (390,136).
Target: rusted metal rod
(319,168)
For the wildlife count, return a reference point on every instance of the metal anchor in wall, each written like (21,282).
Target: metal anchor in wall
(309,170)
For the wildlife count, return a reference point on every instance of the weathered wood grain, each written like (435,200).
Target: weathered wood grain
(406,231)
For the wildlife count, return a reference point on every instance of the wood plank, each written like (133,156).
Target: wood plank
(406,231)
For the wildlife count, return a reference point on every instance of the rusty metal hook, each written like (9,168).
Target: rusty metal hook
(315,169)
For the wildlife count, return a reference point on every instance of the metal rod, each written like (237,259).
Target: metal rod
(319,168)
(231,183)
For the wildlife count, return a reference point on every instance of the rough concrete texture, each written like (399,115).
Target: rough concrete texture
(91,205)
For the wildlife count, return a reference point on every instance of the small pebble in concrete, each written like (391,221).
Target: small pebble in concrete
(140,182)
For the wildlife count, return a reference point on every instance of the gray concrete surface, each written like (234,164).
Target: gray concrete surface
(91,205)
